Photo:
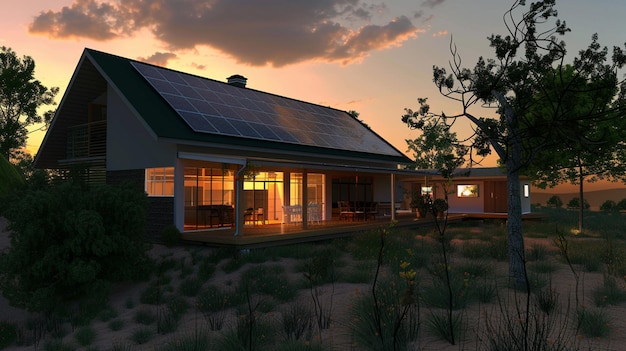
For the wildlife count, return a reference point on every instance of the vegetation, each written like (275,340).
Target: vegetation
(10,178)
(555,201)
(521,81)
(574,203)
(70,243)
(417,285)
(21,95)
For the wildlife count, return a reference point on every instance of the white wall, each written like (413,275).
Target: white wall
(466,204)
(129,144)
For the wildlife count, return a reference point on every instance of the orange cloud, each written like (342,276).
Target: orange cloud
(159,58)
(273,32)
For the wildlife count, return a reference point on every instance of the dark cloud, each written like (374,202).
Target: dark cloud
(159,58)
(84,18)
(432,3)
(275,32)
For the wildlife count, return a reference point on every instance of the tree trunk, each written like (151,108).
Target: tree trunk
(517,270)
(581,200)
(511,153)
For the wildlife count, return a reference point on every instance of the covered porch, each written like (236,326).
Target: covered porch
(251,197)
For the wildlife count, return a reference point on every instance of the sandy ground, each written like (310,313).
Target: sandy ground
(479,317)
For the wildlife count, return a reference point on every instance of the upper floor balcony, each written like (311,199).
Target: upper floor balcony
(87,141)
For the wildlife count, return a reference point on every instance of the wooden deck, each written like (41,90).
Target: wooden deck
(281,234)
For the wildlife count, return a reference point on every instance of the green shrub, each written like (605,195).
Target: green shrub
(107,314)
(153,294)
(190,287)
(69,241)
(170,236)
(85,336)
(575,203)
(546,300)
(475,249)
(359,272)
(608,206)
(621,205)
(189,342)
(486,292)
(145,316)
(438,324)
(611,293)
(268,280)
(297,321)
(594,322)
(542,267)
(206,269)
(177,305)
(555,201)
(141,335)
(536,252)
(116,324)
(8,334)
(436,294)
(10,177)
(167,322)
(57,345)
(129,304)
(393,316)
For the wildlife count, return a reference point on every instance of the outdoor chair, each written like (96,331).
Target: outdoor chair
(372,211)
(345,211)
(314,213)
(360,209)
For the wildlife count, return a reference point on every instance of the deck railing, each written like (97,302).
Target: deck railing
(87,140)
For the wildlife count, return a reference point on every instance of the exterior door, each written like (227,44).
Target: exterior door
(496,199)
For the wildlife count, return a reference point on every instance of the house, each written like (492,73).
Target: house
(220,157)
(474,191)
(216,155)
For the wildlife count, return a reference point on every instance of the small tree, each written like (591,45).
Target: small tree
(68,243)
(574,203)
(592,146)
(555,201)
(20,97)
(608,206)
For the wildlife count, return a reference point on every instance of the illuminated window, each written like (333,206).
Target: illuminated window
(526,190)
(467,190)
(427,190)
(160,181)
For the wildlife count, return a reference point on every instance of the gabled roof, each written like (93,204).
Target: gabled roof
(183,108)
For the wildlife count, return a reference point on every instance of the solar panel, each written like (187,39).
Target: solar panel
(209,106)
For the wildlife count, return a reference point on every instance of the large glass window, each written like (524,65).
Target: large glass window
(263,198)
(160,181)
(209,197)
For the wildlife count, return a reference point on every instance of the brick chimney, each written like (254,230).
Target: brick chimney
(237,80)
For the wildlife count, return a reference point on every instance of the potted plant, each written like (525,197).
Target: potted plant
(440,206)
(420,203)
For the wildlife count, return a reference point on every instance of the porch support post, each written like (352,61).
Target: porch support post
(239,179)
(393,197)
(305,199)
(179,194)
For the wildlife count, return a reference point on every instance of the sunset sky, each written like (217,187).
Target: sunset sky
(372,57)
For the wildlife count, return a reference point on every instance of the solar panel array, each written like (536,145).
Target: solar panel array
(213,107)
